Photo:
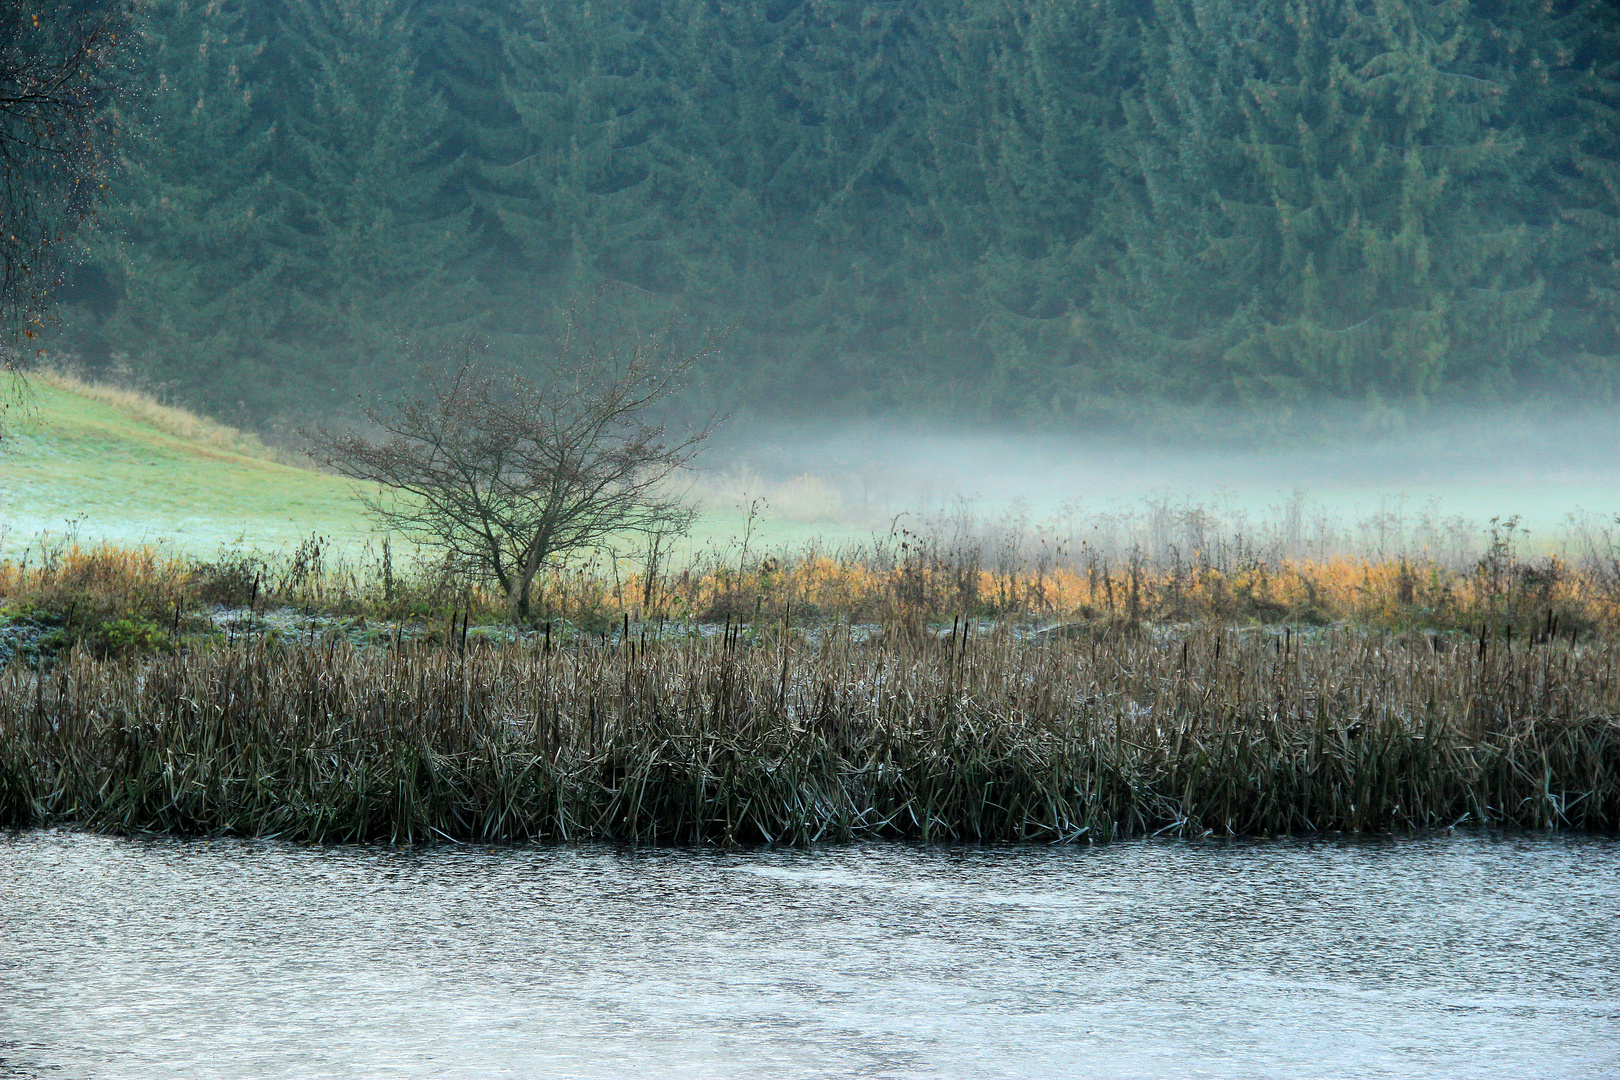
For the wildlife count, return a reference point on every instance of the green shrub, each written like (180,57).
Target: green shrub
(124,636)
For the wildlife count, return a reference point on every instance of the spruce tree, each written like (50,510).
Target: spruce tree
(1023,112)
(1316,200)
(460,59)
(796,134)
(1576,69)
(737,162)
(375,259)
(576,196)
(194,242)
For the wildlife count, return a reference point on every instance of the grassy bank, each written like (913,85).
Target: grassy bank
(776,735)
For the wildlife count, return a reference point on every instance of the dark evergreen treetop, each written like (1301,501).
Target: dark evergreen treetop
(1033,209)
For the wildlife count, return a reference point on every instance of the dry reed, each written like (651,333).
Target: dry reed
(777,736)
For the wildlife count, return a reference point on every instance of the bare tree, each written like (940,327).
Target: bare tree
(506,475)
(59,83)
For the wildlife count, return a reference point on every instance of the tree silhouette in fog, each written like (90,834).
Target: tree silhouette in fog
(505,475)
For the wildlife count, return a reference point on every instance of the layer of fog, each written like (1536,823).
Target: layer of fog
(1435,493)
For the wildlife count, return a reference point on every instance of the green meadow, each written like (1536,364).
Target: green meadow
(98,468)
(106,465)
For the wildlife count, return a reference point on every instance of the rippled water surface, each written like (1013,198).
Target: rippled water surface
(1461,955)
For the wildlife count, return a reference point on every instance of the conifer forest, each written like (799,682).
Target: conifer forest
(1028,211)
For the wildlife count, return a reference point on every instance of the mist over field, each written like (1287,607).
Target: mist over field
(134,472)
(1453,476)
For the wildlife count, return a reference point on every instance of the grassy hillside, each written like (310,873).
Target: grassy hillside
(118,466)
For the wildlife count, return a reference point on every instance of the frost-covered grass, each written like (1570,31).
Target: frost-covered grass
(110,468)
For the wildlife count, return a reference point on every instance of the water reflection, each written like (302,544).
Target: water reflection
(1443,956)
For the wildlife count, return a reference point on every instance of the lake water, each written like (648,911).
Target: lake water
(1457,955)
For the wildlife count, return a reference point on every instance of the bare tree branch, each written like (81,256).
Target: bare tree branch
(59,81)
(505,476)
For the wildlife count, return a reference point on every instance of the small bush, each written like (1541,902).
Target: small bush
(121,637)
(230,581)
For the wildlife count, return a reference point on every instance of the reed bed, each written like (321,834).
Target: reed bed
(777,735)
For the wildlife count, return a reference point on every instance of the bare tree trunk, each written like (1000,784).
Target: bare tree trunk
(518,606)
